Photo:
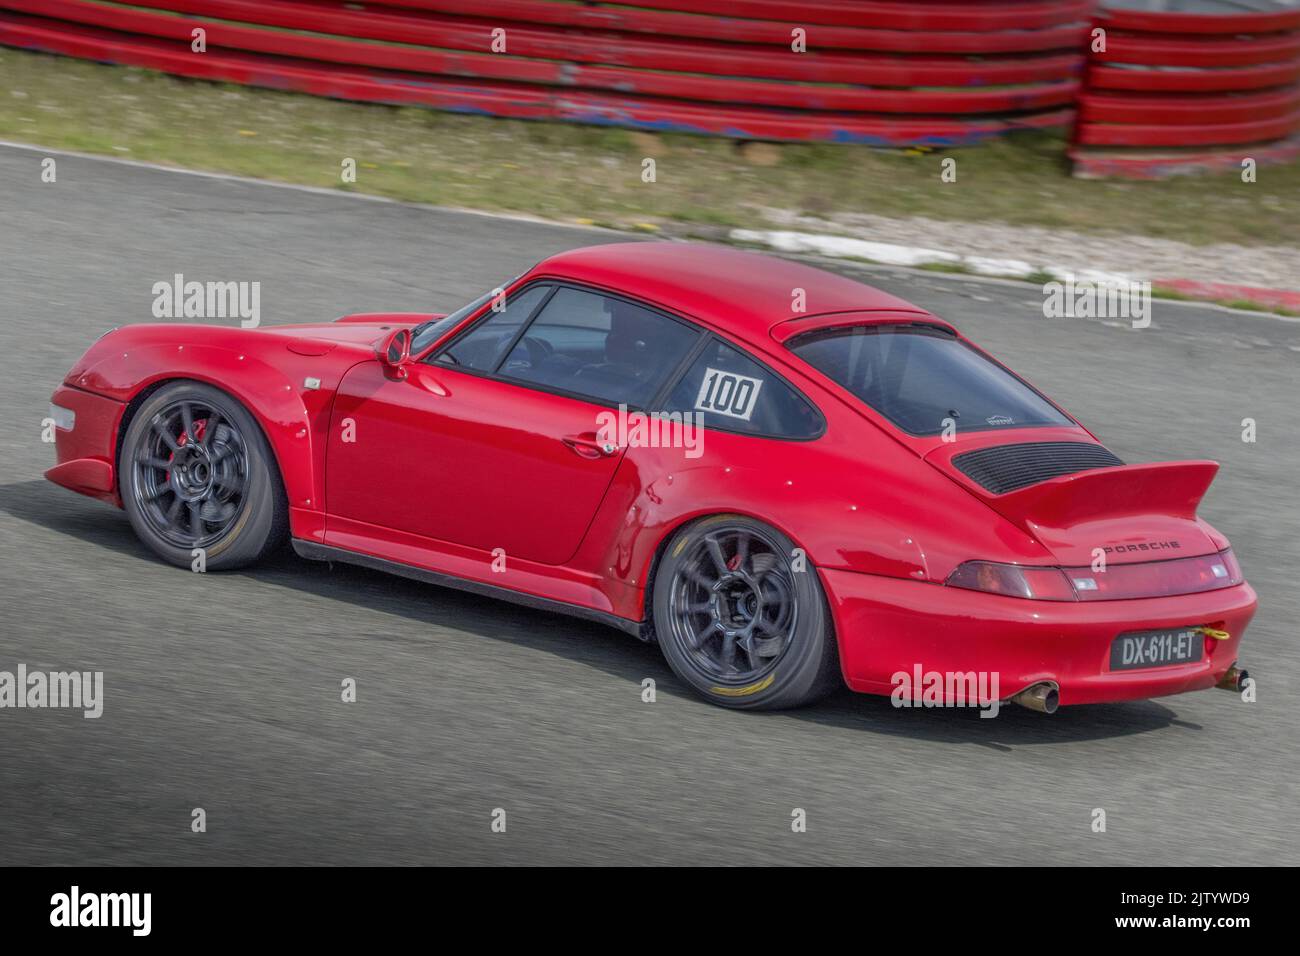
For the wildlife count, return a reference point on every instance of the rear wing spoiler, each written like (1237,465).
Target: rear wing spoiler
(1169,488)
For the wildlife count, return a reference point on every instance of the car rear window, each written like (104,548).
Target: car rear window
(920,377)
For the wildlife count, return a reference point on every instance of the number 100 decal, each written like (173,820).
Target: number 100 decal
(727,393)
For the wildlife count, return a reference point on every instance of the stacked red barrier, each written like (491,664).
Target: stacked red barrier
(877,72)
(1200,87)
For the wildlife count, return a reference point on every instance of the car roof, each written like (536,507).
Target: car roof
(743,293)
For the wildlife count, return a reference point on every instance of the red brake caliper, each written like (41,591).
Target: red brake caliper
(199,429)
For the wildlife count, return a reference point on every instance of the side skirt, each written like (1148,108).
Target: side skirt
(323,552)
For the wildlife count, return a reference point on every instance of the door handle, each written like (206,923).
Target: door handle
(588,446)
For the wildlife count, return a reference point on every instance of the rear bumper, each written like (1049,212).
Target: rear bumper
(86,452)
(889,625)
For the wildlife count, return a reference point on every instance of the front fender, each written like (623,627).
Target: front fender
(293,416)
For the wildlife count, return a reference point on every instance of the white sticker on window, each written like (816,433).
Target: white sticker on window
(727,393)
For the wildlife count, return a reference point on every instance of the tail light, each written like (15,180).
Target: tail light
(1117,583)
(1013,580)
(1157,578)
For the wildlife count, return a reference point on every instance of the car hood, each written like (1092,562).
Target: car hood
(360,329)
(328,347)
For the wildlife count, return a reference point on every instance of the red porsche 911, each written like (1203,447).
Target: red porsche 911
(786,478)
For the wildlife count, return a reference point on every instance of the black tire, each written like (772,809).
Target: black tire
(729,581)
(195,471)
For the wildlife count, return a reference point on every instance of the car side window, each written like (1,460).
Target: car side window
(600,347)
(735,393)
(481,348)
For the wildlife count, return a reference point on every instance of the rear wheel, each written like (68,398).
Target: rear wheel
(196,473)
(740,619)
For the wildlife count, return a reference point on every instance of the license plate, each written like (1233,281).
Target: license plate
(1156,648)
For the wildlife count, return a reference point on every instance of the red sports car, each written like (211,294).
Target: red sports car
(786,478)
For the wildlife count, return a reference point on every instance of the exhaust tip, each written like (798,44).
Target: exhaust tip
(1233,679)
(1043,697)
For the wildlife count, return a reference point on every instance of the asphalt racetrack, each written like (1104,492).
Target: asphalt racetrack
(222,691)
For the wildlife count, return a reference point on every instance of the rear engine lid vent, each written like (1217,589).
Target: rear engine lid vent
(1005,468)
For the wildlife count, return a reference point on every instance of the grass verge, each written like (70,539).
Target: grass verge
(595,174)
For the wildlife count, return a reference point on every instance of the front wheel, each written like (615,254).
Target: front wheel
(197,477)
(741,616)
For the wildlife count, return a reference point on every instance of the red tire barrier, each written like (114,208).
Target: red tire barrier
(1146,81)
(929,15)
(882,72)
(1188,110)
(724,89)
(1236,19)
(1198,134)
(1200,51)
(1060,33)
(728,59)
(1161,164)
(1208,79)
(358,83)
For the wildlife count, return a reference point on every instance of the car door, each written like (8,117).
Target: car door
(492,442)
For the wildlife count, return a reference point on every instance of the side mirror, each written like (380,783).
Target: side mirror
(394,353)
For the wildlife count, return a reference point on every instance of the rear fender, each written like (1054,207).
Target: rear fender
(882,514)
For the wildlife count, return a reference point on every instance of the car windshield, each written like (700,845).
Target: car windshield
(425,334)
(922,377)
